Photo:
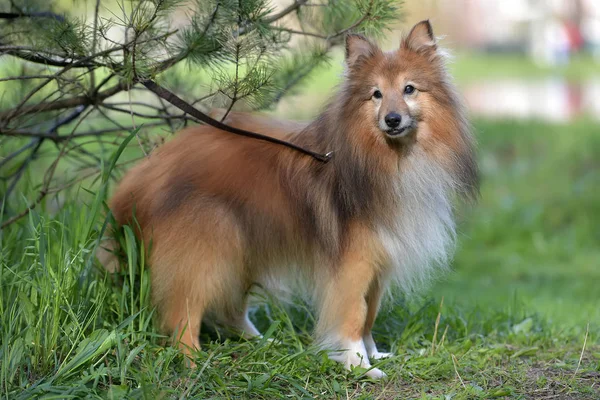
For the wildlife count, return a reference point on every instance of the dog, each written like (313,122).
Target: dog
(225,212)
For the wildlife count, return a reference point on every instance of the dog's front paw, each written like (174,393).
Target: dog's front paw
(378,355)
(376,373)
(356,356)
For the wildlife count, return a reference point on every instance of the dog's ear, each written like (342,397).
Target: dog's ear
(358,47)
(420,37)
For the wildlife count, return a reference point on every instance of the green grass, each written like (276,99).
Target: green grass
(536,232)
(512,324)
(469,67)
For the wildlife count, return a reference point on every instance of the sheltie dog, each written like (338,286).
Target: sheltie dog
(225,212)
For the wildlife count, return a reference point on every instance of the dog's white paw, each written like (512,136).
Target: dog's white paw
(376,373)
(379,355)
(371,348)
(350,359)
(355,355)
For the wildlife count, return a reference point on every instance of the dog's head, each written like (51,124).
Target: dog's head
(399,89)
(404,98)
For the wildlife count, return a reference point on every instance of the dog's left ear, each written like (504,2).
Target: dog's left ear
(421,37)
(358,48)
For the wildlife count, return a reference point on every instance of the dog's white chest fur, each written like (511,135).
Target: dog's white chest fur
(420,239)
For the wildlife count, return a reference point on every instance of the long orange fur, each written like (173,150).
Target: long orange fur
(226,212)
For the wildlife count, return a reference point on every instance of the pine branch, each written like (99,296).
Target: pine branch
(40,59)
(46,14)
(36,144)
(60,138)
(63,104)
(290,9)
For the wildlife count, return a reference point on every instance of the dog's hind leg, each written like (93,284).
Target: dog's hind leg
(242,325)
(181,316)
(196,267)
(181,299)
(232,315)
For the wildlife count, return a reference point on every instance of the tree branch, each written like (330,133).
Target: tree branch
(66,103)
(291,8)
(45,14)
(50,173)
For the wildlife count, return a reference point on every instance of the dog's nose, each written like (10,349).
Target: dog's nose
(393,120)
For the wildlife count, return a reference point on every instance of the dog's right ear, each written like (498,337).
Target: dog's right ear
(357,48)
(421,37)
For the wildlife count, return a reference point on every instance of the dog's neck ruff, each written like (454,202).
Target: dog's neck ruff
(419,238)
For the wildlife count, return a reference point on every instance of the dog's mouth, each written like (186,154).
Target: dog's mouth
(400,131)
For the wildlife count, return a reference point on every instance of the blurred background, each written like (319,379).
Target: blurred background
(513,59)
(530,73)
(546,34)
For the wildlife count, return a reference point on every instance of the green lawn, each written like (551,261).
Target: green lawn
(467,67)
(535,234)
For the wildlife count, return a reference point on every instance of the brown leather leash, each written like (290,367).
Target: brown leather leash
(187,108)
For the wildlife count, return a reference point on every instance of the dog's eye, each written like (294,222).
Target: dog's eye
(409,89)
(377,94)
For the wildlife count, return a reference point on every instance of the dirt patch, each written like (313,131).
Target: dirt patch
(552,382)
